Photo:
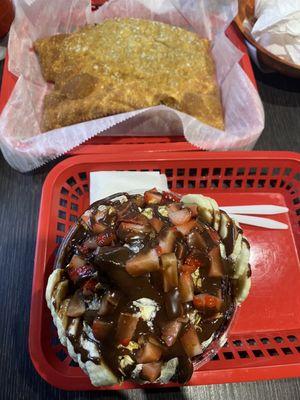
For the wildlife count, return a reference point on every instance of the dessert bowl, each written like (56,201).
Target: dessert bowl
(145,287)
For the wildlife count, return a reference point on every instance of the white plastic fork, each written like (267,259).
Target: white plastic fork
(259,221)
(261,209)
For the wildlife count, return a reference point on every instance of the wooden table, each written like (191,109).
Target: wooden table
(19,205)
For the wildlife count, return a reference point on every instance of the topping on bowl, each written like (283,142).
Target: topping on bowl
(145,287)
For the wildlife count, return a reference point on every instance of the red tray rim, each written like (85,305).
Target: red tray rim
(50,374)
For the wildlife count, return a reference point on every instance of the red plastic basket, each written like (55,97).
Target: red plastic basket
(265,339)
(143,143)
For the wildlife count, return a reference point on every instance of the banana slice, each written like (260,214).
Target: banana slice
(205,208)
(241,264)
(53,280)
(243,286)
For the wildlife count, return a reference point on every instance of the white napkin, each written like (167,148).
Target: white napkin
(105,183)
(278,27)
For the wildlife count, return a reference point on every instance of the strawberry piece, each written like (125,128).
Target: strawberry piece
(214,235)
(198,240)
(109,302)
(169,196)
(187,227)
(89,287)
(77,274)
(143,262)
(192,263)
(207,302)
(126,327)
(173,207)
(106,238)
(170,331)
(167,240)
(152,196)
(186,287)
(88,245)
(170,276)
(125,342)
(101,329)
(76,306)
(190,342)
(151,371)
(84,250)
(157,224)
(76,261)
(148,353)
(180,250)
(216,263)
(98,227)
(180,217)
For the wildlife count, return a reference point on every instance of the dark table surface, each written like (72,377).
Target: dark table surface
(19,205)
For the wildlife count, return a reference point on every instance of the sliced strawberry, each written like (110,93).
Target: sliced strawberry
(84,250)
(127,210)
(143,262)
(214,235)
(193,209)
(152,196)
(135,226)
(148,353)
(187,227)
(109,302)
(76,261)
(135,218)
(89,287)
(151,371)
(101,329)
(181,250)
(170,273)
(173,306)
(106,238)
(180,217)
(76,306)
(174,207)
(76,274)
(216,263)
(186,287)
(207,302)
(192,263)
(126,327)
(190,342)
(169,196)
(198,240)
(167,240)
(170,331)
(157,224)
(98,227)
(88,245)
(125,342)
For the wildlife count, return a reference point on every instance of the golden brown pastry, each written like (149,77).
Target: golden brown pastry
(126,64)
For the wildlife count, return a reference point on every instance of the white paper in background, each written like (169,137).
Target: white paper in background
(106,183)
(26,148)
(278,27)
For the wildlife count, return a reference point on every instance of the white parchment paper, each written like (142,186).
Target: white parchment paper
(25,147)
(278,28)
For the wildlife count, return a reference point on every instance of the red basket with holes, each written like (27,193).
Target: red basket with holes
(264,341)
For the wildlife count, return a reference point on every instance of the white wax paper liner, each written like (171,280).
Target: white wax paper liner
(25,147)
